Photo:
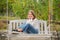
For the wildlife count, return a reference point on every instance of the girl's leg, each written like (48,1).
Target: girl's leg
(20,28)
(29,29)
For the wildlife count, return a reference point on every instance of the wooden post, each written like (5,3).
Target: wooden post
(50,13)
(45,25)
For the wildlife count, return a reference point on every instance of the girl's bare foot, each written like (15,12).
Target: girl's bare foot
(20,30)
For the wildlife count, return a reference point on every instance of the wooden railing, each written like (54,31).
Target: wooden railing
(43,28)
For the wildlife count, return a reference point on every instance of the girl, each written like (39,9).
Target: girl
(29,26)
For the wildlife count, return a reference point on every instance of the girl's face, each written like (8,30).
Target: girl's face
(30,15)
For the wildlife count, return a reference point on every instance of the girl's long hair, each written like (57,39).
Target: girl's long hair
(32,13)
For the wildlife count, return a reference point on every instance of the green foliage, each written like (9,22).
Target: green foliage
(56,8)
(20,8)
(3,7)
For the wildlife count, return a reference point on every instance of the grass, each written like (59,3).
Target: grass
(8,18)
(4,21)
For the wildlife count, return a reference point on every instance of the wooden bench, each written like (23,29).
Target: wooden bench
(13,24)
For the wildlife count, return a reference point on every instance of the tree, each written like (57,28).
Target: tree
(3,7)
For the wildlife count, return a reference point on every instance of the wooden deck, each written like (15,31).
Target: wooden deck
(16,36)
(29,37)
